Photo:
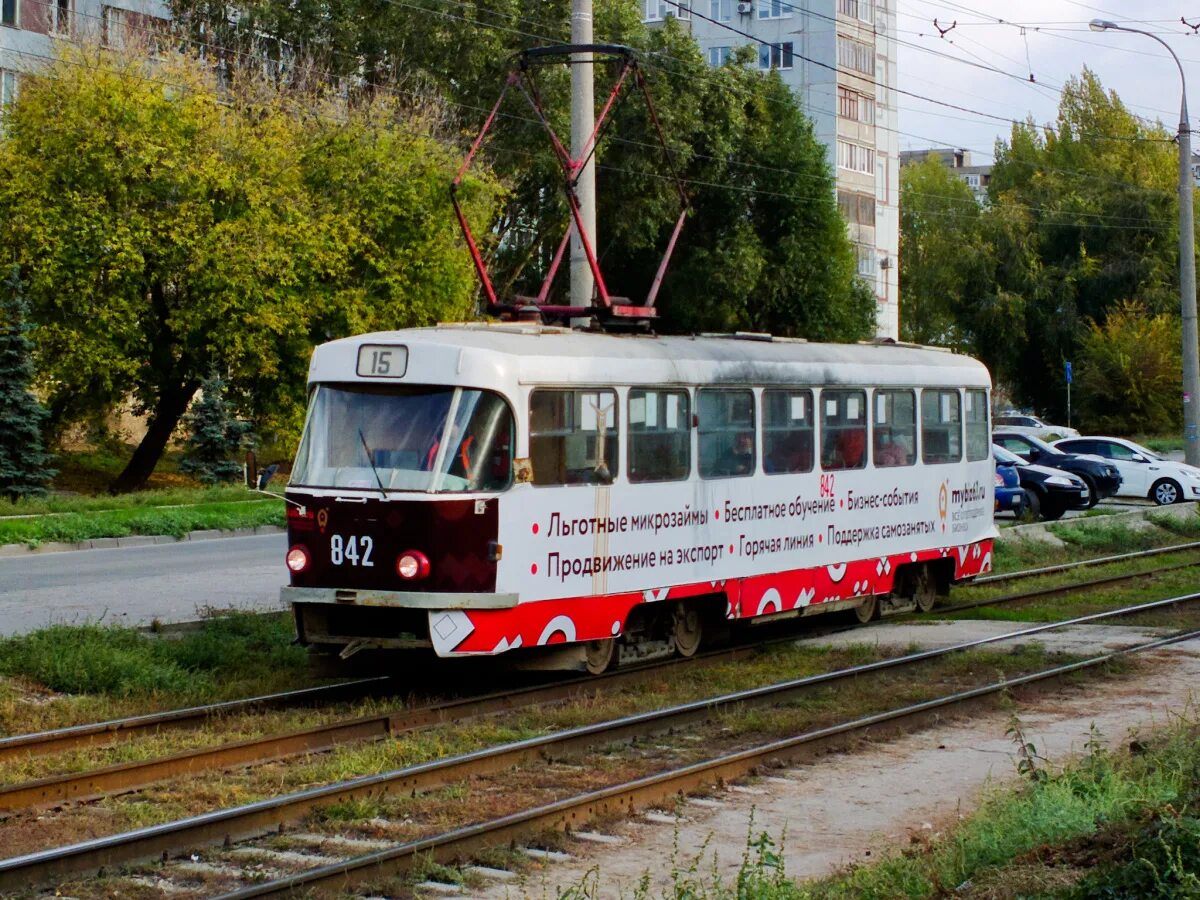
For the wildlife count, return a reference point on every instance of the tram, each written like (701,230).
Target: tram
(576,500)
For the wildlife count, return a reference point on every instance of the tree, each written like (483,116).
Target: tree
(944,259)
(215,436)
(1095,197)
(170,229)
(764,248)
(1129,372)
(24,468)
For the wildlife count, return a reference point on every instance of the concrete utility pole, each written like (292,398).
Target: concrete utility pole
(1187,260)
(583,120)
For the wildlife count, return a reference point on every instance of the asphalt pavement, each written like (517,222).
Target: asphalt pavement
(135,585)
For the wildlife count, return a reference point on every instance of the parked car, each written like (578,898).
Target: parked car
(1022,424)
(1143,472)
(1048,492)
(1101,476)
(1010,496)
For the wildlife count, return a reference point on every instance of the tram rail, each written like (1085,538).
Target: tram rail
(250,820)
(130,776)
(627,798)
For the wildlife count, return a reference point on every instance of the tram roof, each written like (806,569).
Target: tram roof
(488,355)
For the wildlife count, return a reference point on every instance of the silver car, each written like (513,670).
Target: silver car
(1021,424)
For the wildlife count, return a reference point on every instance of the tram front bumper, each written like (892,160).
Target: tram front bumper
(397,599)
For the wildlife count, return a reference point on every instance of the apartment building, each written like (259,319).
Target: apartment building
(29,30)
(976,177)
(839,58)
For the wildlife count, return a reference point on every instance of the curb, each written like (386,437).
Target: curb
(1042,531)
(136,540)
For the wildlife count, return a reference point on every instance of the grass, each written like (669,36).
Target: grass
(229,656)
(71,527)
(177,496)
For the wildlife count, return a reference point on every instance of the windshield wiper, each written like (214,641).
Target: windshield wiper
(371,463)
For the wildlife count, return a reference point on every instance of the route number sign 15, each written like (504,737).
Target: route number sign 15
(382,361)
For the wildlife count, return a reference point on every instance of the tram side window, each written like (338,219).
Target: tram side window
(976,415)
(787,431)
(726,433)
(941,427)
(573,436)
(843,429)
(895,435)
(660,444)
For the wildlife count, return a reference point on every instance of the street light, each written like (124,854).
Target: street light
(1187,258)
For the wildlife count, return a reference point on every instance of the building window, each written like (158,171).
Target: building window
(856,158)
(721,10)
(773,9)
(657,10)
(112,26)
(856,107)
(718,56)
(855,55)
(8,89)
(865,258)
(9,13)
(775,56)
(60,13)
(857,9)
(857,209)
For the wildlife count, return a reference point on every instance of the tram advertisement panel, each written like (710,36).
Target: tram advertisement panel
(579,541)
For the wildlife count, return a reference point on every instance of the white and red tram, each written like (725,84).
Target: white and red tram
(479,489)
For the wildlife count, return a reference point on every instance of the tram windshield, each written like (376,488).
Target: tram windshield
(439,439)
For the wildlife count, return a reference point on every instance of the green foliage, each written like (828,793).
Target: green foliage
(97,659)
(1081,221)
(83,526)
(944,259)
(24,465)
(207,230)
(214,436)
(1165,863)
(1129,371)
(763,248)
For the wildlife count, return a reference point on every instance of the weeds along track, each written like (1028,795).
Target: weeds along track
(240,857)
(130,776)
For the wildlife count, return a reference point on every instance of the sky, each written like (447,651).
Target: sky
(1051,40)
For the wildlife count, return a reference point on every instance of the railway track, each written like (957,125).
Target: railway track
(130,776)
(224,827)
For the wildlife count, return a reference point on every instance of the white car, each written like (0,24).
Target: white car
(1143,472)
(1032,425)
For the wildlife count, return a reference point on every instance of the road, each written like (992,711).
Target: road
(136,585)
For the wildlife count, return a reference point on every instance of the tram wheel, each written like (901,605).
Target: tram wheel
(687,628)
(925,590)
(599,656)
(868,610)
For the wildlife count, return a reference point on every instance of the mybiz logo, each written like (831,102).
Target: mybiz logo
(972,493)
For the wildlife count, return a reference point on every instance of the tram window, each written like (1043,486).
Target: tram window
(843,429)
(895,433)
(941,426)
(726,431)
(660,443)
(787,431)
(573,436)
(976,415)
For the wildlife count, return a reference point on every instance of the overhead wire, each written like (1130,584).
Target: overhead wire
(1137,222)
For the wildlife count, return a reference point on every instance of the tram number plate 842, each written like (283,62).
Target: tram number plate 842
(351,549)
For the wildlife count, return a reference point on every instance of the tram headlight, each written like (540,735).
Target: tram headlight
(412,565)
(298,558)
